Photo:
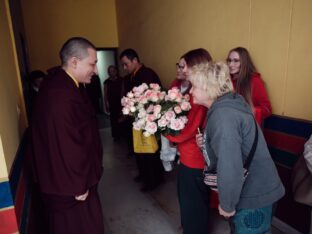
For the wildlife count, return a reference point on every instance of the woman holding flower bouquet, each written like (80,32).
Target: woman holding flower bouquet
(193,194)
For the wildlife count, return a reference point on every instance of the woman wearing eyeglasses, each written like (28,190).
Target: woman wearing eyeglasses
(247,82)
(193,194)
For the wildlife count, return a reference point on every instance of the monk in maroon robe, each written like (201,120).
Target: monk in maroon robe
(67,145)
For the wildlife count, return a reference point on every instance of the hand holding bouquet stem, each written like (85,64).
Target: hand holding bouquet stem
(199,138)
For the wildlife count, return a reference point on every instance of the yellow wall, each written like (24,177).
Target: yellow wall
(12,111)
(49,23)
(3,168)
(277,33)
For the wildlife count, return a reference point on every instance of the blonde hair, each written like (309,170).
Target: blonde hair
(213,77)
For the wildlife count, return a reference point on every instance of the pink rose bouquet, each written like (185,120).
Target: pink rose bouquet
(155,110)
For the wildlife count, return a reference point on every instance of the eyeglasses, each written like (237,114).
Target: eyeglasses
(232,60)
(180,66)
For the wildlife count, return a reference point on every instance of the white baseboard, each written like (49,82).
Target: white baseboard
(284,227)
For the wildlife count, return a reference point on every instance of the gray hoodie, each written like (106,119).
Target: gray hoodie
(229,135)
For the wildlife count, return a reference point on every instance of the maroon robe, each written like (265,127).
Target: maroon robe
(67,155)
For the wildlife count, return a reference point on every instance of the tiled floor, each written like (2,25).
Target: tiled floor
(129,211)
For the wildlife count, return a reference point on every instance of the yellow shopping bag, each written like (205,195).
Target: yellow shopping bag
(142,144)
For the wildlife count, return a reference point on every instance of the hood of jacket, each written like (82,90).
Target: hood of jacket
(230,100)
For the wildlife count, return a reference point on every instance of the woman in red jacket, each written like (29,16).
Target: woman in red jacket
(247,82)
(193,194)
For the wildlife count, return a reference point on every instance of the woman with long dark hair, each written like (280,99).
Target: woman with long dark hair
(247,82)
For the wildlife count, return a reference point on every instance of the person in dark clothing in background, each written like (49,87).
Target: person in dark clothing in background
(38,220)
(113,92)
(35,79)
(149,165)
(95,93)
(67,150)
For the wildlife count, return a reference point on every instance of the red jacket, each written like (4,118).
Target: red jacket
(190,154)
(259,98)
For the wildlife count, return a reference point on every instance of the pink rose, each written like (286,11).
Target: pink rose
(140,89)
(130,95)
(176,124)
(136,126)
(142,99)
(177,109)
(169,115)
(186,97)
(123,101)
(148,93)
(125,111)
(132,109)
(150,118)
(155,86)
(151,127)
(137,94)
(162,122)
(161,95)
(142,113)
(154,97)
(183,119)
(139,124)
(157,109)
(157,115)
(173,94)
(131,103)
(178,99)
(185,106)
(150,108)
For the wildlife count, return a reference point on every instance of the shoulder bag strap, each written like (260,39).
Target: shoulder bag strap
(253,149)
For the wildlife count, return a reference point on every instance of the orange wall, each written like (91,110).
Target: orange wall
(277,33)
(12,116)
(49,23)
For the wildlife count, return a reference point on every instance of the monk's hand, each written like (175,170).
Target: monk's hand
(82,197)
(225,214)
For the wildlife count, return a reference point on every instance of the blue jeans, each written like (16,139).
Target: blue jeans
(252,221)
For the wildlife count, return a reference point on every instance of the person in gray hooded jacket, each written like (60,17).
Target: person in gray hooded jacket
(227,140)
